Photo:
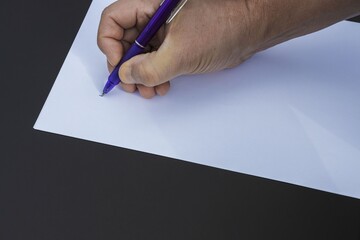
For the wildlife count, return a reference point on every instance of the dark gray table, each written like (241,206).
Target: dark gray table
(54,187)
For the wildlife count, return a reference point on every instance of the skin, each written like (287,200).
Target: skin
(207,35)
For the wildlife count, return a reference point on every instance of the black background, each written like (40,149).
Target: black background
(55,187)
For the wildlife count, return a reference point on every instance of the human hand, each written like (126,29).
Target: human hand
(120,24)
(192,43)
(207,35)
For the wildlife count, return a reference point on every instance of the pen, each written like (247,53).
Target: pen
(165,13)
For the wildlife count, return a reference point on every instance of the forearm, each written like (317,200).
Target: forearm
(287,19)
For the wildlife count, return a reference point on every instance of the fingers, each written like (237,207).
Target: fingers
(152,69)
(150,92)
(130,88)
(162,89)
(120,24)
(147,92)
(130,35)
(115,19)
(110,33)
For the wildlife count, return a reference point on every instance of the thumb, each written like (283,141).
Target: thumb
(150,69)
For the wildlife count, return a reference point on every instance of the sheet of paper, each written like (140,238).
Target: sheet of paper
(291,113)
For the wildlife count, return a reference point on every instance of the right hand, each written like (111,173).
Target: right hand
(207,35)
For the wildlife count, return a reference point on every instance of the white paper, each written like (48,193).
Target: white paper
(291,113)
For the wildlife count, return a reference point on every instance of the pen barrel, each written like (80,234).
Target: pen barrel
(114,76)
(157,20)
(133,51)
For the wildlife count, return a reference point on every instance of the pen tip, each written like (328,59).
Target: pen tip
(101,95)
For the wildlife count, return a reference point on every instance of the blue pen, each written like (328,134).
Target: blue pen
(165,13)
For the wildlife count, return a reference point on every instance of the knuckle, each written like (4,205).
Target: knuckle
(100,34)
(99,42)
(106,12)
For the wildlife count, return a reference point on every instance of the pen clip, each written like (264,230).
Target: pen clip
(176,11)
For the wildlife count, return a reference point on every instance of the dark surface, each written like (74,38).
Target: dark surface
(355,19)
(54,187)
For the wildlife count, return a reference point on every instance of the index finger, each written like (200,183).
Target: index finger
(115,19)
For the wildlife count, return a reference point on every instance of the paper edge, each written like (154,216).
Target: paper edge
(62,65)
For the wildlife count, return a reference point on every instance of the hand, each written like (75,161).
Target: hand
(120,24)
(207,35)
